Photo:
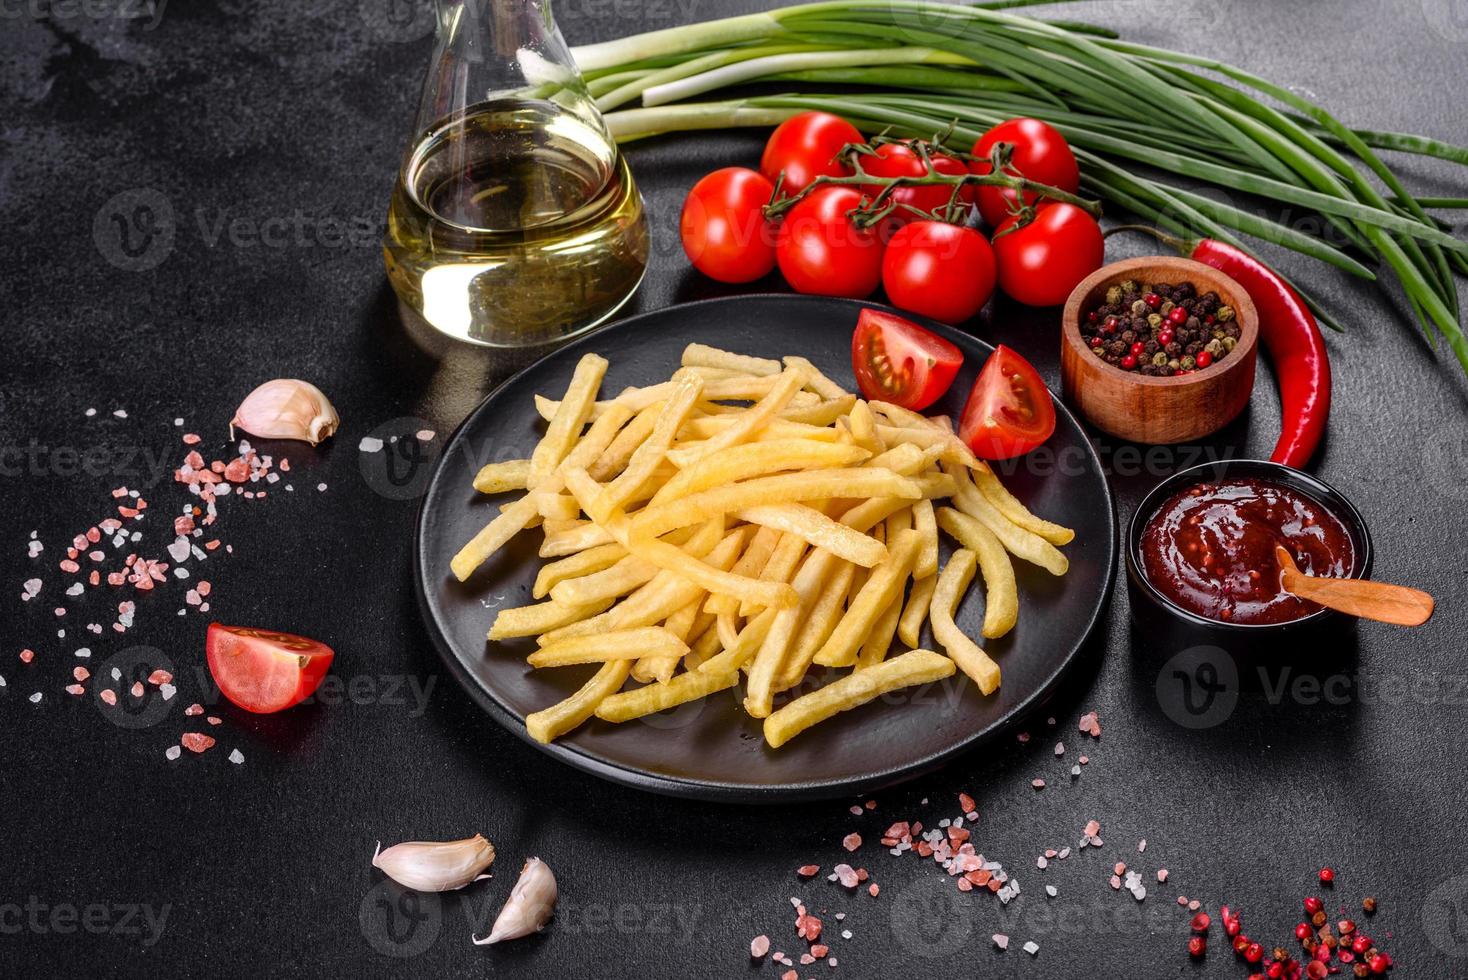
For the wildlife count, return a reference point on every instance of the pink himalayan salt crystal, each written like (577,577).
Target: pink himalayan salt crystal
(759,946)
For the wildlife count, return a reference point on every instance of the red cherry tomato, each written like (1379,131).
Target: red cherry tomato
(822,253)
(939,270)
(264,670)
(804,147)
(1010,411)
(1041,154)
(901,160)
(723,225)
(1041,262)
(898,361)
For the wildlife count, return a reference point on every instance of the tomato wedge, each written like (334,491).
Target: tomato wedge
(265,670)
(1010,411)
(898,361)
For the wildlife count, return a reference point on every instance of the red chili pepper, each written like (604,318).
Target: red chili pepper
(1290,335)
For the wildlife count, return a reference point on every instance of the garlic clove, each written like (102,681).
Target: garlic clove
(286,409)
(435,867)
(529,906)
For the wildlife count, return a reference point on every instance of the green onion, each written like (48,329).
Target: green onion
(919,67)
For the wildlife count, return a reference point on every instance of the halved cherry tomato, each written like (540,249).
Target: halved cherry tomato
(1009,412)
(264,670)
(939,270)
(821,253)
(1041,154)
(898,361)
(804,147)
(901,160)
(1041,262)
(723,226)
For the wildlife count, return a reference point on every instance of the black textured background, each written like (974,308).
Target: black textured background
(243,112)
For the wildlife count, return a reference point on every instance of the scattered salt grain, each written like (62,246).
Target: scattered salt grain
(1051,890)
(1000,940)
(120,413)
(851,841)
(370,444)
(236,757)
(759,946)
(1060,748)
(36,698)
(173,752)
(1032,947)
(426,435)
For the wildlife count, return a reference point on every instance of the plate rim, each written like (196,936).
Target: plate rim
(723,791)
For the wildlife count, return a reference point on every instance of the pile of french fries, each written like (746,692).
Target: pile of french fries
(745,521)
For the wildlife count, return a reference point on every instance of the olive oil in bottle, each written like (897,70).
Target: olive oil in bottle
(515,222)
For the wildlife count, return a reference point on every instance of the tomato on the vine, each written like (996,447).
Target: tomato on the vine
(1041,154)
(901,160)
(264,670)
(723,226)
(822,253)
(804,147)
(939,270)
(1010,411)
(1041,262)
(898,361)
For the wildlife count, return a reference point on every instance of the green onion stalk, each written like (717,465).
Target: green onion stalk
(918,68)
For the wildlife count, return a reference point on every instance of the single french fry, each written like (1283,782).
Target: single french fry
(1001,606)
(704,648)
(701,355)
(853,690)
(707,426)
(915,613)
(690,686)
(649,641)
(898,522)
(618,580)
(1008,505)
(512,474)
(570,418)
(557,506)
(781,489)
(814,379)
(510,522)
(541,617)
(863,425)
(587,534)
(577,565)
(758,416)
(882,588)
(820,620)
(769,662)
(926,525)
(953,581)
(874,650)
(555,721)
(756,459)
(1016,540)
(618,452)
(820,413)
(819,530)
(727,626)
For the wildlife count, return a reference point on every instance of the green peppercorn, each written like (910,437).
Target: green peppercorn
(1224,314)
(1139,308)
(1128,286)
(1187,362)
(1113,296)
(1166,307)
(1219,335)
(1154,321)
(1214,347)
(1174,364)
(1229,343)
(1159,359)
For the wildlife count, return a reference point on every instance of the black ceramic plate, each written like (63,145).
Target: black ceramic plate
(711,749)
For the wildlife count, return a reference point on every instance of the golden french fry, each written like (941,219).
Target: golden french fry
(820,620)
(618,580)
(853,690)
(898,522)
(649,641)
(557,720)
(585,535)
(570,418)
(704,648)
(820,413)
(581,563)
(541,617)
(709,426)
(784,488)
(751,563)
(819,530)
(701,355)
(615,456)
(557,506)
(754,419)
(769,662)
(781,566)
(874,650)
(510,522)
(1016,540)
(757,459)
(650,454)
(690,686)
(1008,505)
(953,581)
(915,613)
(863,427)
(512,474)
(924,523)
(882,588)
(1001,606)
(815,380)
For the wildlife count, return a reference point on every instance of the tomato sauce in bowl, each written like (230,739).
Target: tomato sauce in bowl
(1209,549)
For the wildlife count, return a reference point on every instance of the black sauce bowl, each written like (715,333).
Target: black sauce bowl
(1151,608)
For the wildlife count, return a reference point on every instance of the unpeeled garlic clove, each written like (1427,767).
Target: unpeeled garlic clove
(428,866)
(529,906)
(286,409)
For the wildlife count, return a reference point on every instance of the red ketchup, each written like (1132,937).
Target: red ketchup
(1210,549)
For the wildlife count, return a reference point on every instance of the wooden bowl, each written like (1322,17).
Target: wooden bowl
(1158,410)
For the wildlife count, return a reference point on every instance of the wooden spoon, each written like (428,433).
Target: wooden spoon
(1384,603)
